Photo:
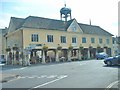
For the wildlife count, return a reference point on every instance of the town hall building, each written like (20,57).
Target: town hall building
(49,40)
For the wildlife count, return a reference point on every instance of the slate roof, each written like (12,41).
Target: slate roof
(17,22)
(52,24)
(3,31)
(91,29)
(43,23)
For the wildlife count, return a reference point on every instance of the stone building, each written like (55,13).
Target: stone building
(54,40)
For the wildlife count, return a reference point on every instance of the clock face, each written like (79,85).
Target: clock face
(74,28)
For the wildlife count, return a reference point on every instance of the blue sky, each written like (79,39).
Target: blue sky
(103,13)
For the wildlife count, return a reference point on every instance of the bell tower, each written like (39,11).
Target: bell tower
(65,13)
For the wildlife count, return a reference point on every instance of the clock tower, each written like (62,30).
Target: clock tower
(65,13)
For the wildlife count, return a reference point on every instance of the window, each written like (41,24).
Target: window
(107,41)
(83,40)
(74,40)
(49,38)
(63,39)
(92,40)
(100,40)
(34,38)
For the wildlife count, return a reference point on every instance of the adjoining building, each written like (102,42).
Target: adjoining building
(116,45)
(3,41)
(54,40)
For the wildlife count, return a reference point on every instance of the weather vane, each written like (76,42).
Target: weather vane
(65,3)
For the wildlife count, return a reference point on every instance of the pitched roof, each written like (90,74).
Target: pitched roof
(91,29)
(17,22)
(52,24)
(43,23)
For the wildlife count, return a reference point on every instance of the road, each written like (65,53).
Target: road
(77,74)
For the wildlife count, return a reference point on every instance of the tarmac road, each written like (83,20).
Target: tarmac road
(77,74)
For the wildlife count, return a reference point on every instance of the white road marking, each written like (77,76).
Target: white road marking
(52,76)
(82,64)
(49,82)
(42,76)
(23,68)
(38,77)
(111,85)
(31,77)
(21,77)
(20,68)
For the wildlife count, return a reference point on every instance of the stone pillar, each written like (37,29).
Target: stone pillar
(43,57)
(105,50)
(13,55)
(15,61)
(57,56)
(79,54)
(24,62)
(25,59)
(88,53)
(28,58)
(7,58)
(69,55)
(33,53)
(20,58)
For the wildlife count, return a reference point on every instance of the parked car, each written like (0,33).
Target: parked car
(112,60)
(101,55)
(2,59)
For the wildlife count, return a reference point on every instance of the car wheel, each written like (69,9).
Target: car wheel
(109,63)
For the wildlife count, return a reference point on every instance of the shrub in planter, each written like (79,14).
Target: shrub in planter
(70,48)
(45,48)
(59,47)
(81,48)
(8,49)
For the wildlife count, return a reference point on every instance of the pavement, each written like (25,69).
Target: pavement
(7,77)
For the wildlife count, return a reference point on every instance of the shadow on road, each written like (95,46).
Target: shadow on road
(113,66)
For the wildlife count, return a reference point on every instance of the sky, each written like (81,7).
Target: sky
(103,13)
